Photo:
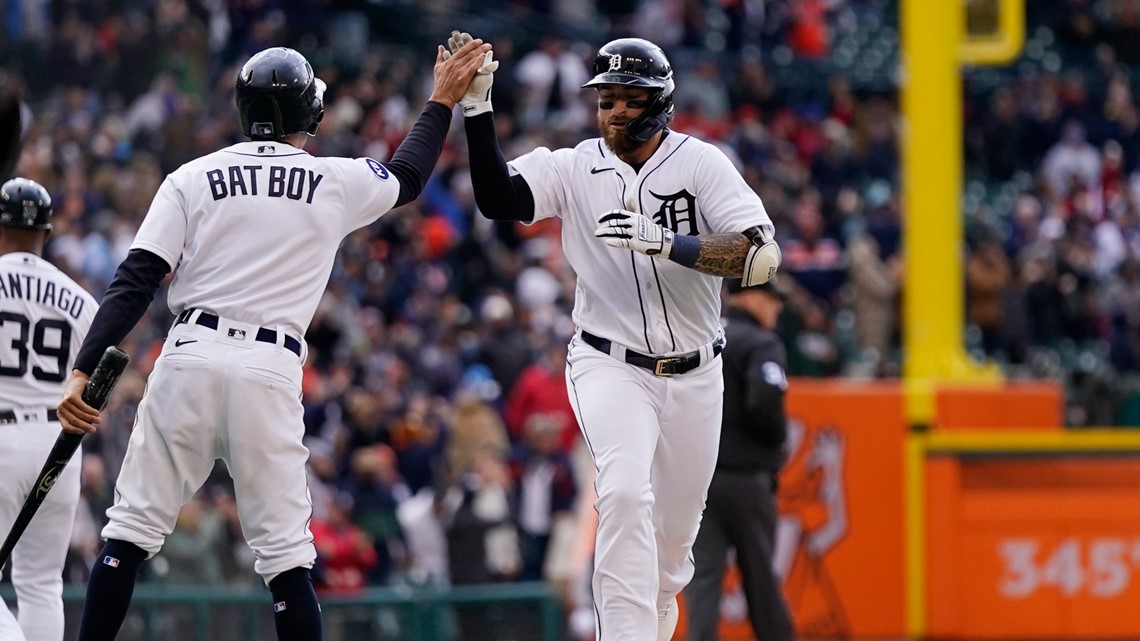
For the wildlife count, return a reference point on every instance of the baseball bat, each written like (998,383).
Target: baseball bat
(99,387)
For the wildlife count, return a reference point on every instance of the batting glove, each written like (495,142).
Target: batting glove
(477,100)
(629,230)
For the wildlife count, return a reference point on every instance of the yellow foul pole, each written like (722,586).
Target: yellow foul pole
(933,47)
(932,184)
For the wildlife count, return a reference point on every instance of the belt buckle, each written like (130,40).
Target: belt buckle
(662,363)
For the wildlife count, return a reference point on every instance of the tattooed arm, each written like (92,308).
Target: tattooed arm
(720,254)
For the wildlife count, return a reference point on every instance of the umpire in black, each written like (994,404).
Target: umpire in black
(741,508)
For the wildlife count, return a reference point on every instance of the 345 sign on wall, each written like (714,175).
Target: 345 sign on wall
(1034,548)
(1099,567)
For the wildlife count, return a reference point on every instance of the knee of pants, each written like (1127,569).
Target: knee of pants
(631,502)
(40,589)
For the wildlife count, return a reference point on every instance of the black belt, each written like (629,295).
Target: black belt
(659,365)
(7,417)
(264,334)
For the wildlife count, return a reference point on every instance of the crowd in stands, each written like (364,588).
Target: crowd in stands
(443,444)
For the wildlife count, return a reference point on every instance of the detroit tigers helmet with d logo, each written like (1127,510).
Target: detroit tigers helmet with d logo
(634,62)
(278,95)
(25,204)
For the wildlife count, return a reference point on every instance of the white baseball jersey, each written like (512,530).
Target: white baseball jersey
(645,303)
(44,317)
(276,203)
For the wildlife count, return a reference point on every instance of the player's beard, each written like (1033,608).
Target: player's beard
(618,142)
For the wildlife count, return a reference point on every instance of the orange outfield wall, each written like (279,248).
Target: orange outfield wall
(1033,547)
(1014,405)
(840,539)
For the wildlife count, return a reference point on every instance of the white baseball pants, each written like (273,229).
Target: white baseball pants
(37,560)
(220,394)
(654,441)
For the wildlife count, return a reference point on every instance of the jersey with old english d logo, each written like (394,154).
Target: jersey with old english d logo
(688,186)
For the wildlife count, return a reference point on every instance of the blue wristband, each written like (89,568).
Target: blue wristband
(686,250)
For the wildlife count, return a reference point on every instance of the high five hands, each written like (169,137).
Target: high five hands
(477,99)
(455,69)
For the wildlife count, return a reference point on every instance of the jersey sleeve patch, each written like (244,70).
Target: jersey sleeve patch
(774,375)
(380,170)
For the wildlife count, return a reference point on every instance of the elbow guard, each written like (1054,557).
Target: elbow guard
(763,257)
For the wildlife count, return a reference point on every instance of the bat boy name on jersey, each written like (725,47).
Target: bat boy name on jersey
(40,291)
(295,183)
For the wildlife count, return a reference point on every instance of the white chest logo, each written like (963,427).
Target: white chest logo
(615,61)
(677,212)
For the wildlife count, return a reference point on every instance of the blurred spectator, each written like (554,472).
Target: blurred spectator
(812,257)
(376,490)
(703,91)
(482,539)
(988,274)
(875,270)
(540,396)
(809,33)
(504,346)
(191,551)
(543,478)
(1072,163)
(1003,137)
(550,80)
(345,552)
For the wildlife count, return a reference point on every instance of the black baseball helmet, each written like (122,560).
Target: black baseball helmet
(25,204)
(638,63)
(278,94)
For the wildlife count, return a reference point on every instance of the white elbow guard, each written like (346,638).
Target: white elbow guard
(763,257)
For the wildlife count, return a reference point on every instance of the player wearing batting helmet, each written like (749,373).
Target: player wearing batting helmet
(251,233)
(652,219)
(46,316)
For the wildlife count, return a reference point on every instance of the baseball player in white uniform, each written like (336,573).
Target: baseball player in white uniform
(643,372)
(250,232)
(44,317)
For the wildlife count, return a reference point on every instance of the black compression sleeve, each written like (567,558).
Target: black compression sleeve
(499,195)
(415,158)
(126,300)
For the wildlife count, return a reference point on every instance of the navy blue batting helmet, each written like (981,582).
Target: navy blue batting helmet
(634,62)
(25,203)
(278,95)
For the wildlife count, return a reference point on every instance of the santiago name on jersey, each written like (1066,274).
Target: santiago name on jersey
(687,185)
(285,209)
(44,317)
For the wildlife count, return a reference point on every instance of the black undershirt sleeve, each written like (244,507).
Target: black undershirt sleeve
(499,195)
(127,299)
(415,158)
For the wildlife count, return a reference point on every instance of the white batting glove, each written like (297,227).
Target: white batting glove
(477,100)
(629,230)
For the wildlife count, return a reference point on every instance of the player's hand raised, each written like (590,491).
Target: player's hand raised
(629,230)
(454,70)
(75,415)
(477,99)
